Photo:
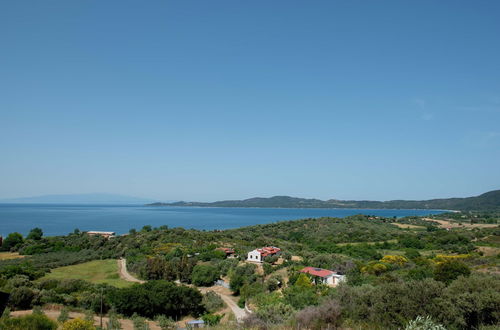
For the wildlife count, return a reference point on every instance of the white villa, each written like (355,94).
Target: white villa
(258,255)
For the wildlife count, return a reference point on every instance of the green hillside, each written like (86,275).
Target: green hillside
(489,201)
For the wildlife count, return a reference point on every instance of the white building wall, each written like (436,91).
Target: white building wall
(337,279)
(254,256)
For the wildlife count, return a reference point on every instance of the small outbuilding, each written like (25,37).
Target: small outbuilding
(195,324)
(228,251)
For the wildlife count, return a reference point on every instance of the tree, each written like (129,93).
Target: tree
(236,281)
(35,234)
(204,275)
(450,270)
(21,298)
(157,298)
(12,241)
(299,296)
(303,281)
(78,324)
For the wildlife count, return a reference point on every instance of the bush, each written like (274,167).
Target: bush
(450,270)
(78,324)
(212,319)
(212,301)
(28,322)
(423,323)
(470,302)
(64,315)
(325,316)
(139,323)
(113,322)
(89,315)
(275,314)
(166,323)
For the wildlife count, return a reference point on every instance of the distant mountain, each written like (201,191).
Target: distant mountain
(486,201)
(80,199)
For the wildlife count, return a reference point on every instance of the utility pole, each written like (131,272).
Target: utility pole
(102,289)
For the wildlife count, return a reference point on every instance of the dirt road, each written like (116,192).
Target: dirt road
(224,293)
(124,274)
(229,299)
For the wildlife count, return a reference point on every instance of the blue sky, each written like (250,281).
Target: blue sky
(209,100)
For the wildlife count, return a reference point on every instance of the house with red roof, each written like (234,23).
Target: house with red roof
(228,251)
(258,255)
(324,276)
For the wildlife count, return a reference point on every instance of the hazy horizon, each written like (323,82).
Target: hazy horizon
(207,101)
(66,198)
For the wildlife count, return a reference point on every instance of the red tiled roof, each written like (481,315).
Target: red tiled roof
(317,271)
(268,250)
(226,250)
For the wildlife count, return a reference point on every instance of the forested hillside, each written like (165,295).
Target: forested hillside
(486,201)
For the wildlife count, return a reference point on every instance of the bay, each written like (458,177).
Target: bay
(61,219)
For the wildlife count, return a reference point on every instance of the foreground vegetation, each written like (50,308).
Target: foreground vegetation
(400,273)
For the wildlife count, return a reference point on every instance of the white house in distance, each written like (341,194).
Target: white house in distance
(258,255)
(324,276)
(105,234)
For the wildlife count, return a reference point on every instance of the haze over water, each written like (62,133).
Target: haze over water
(61,219)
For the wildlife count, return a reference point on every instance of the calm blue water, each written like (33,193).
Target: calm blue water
(62,219)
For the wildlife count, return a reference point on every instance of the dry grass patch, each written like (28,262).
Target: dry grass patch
(489,251)
(10,255)
(407,226)
(455,224)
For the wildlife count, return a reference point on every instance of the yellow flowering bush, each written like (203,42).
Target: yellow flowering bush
(374,268)
(78,324)
(394,260)
(442,258)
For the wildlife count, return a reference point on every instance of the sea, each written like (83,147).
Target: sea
(61,219)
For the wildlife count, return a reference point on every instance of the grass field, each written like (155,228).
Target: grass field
(97,271)
(369,243)
(407,226)
(9,255)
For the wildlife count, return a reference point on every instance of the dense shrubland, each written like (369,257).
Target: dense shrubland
(395,275)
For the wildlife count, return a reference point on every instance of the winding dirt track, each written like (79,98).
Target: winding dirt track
(124,274)
(228,298)
(224,293)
